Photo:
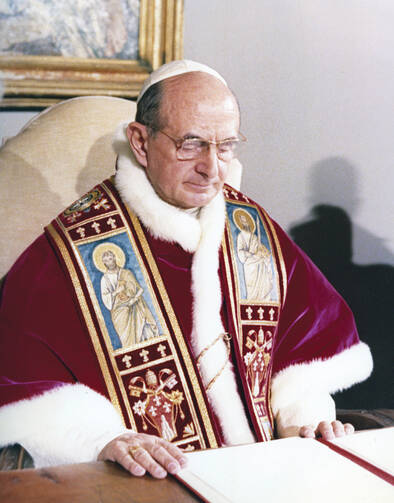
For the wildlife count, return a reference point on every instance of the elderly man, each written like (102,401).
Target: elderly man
(221,368)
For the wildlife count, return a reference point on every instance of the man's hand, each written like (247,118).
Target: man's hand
(327,430)
(140,453)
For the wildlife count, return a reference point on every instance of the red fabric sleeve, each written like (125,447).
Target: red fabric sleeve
(42,342)
(315,322)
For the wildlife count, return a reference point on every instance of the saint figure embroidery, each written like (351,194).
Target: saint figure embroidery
(254,256)
(122,296)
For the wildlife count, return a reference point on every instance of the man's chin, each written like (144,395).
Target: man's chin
(199,195)
(199,199)
(189,199)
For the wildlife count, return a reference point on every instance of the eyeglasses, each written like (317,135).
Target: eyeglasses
(193,148)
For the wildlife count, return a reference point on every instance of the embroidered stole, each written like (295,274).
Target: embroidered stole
(256,287)
(150,373)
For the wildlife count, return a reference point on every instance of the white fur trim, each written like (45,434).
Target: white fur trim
(207,325)
(309,411)
(69,424)
(339,372)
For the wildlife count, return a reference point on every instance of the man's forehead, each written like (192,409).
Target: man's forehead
(197,93)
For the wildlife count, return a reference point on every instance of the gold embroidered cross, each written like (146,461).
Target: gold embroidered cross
(234,194)
(112,223)
(144,353)
(249,312)
(162,350)
(96,227)
(126,360)
(271,313)
(261,313)
(81,231)
(103,203)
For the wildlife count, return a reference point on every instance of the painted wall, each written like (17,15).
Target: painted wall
(12,122)
(315,82)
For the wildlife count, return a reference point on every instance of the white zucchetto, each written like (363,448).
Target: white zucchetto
(175,68)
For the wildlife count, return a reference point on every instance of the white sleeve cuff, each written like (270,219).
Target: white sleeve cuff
(320,377)
(69,424)
(311,410)
(301,392)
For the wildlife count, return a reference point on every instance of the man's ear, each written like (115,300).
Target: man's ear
(138,139)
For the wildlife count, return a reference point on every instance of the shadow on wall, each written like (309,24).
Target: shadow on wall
(327,238)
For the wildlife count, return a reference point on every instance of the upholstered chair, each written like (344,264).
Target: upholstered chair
(57,157)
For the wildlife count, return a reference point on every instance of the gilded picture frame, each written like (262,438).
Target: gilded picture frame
(35,81)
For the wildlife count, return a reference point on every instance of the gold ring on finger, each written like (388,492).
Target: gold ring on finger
(133,449)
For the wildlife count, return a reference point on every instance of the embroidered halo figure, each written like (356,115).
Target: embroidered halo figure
(254,257)
(122,295)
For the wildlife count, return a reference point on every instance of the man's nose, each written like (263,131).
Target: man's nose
(208,163)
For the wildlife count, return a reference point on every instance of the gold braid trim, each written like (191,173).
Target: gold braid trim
(227,338)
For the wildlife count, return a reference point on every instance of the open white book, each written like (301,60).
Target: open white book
(360,470)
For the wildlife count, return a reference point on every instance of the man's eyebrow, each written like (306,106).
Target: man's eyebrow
(191,136)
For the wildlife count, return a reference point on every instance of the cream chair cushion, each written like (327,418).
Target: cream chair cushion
(58,156)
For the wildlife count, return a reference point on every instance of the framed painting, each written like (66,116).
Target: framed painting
(52,50)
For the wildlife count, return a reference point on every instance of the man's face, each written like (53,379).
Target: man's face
(193,105)
(109,260)
(244,222)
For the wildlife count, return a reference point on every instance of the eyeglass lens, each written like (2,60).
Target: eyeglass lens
(193,148)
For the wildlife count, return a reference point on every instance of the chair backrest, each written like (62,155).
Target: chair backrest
(57,156)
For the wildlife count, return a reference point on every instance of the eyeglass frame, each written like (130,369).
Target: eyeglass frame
(178,142)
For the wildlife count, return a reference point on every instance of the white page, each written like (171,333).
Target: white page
(375,446)
(290,470)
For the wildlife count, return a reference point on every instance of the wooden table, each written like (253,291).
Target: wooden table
(108,483)
(101,482)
